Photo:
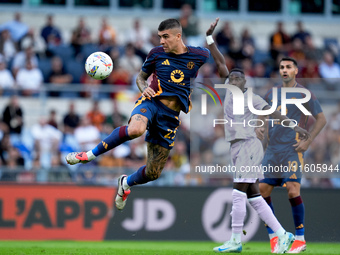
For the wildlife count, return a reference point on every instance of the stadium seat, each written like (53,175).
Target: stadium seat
(45,67)
(75,68)
(260,56)
(65,52)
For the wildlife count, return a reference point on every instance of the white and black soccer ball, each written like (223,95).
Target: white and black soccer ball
(98,65)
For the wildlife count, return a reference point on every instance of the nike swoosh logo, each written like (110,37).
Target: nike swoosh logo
(223,249)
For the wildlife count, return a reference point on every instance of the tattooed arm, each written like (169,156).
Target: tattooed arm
(143,84)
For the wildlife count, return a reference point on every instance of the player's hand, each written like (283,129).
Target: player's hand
(260,133)
(302,145)
(148,92)
(212,27)
(303,134)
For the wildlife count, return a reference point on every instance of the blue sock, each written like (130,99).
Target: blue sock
(138,177)
(117,137)
(298,210)
(269,202)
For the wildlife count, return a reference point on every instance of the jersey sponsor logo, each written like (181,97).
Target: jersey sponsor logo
(143,110)
(191,65)
(166,62)
(177,76)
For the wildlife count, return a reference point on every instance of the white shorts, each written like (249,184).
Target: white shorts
(247,157)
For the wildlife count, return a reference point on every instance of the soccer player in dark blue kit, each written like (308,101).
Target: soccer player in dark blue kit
(286,149)
(171,65)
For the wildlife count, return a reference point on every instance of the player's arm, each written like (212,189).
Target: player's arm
(320,122)
(304,134)
(143,85)
(217,55)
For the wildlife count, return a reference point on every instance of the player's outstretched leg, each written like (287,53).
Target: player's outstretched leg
(117,137)
(156,159)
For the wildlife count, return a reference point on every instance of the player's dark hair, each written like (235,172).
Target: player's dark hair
(169,24)
(289,59)
(236,70)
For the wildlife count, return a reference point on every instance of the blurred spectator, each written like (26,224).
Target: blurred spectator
(279,41)
(29,79)
(8,48)
(95,116)
(58,75)
(246,38)
(50,33)
(137,154)
(311,51)
(116,118)
(13,116)
(139,36)
(328,68)
(300,33)
(52,119)
(130,61)
(225,37)
(297,52)
(20,59)
(107,36)
(260,71)
(6,77)
(30,40)
(81,35)
(46,142)
(189,24)
(310,70)
(16,28)
(71,119)
(91,86)
(87,135)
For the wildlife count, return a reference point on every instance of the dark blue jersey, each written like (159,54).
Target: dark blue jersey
(172,72)
(282,138)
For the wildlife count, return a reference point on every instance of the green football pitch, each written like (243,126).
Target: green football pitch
(142,247)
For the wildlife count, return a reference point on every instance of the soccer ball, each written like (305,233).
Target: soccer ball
(98,65)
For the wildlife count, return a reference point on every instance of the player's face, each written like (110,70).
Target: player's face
(237,79)
(288,71)
(169,39)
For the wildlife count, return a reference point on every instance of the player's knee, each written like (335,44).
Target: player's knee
(135,131)
(264,190)
(293,193)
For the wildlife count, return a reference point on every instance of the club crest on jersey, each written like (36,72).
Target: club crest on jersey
(143,110)
(177,76)
(191,65)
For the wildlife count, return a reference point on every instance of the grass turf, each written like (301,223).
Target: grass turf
(142,247)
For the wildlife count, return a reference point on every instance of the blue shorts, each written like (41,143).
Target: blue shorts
(288,165)
(162,121)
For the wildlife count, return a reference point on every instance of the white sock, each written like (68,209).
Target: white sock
(300,238)
(280,232)
(236,238)
(125,184)
(90,155)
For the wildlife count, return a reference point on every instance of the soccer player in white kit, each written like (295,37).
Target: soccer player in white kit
(246,150)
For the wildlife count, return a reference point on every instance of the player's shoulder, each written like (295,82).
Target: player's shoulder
(156,50)
(301,86)
(199,51)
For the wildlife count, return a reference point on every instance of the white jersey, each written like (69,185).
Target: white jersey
(238,125)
